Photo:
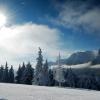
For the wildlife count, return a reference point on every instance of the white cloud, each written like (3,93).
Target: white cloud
(77,14)
(20,42)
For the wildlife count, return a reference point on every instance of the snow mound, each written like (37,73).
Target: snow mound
(26,92)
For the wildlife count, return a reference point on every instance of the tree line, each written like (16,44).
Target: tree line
(6,75)
(45,76)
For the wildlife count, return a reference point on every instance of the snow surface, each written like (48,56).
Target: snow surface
(26,92)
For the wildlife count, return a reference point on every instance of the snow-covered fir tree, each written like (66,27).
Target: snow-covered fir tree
(38,70)
(45,80)
(59,73)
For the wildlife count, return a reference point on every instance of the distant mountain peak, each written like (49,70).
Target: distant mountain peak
(80,57)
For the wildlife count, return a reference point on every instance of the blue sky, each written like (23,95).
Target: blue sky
(56,26)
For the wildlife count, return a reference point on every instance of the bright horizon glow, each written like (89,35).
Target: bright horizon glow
(3,19)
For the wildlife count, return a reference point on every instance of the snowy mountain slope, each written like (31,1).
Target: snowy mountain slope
(25,92)
(81,57)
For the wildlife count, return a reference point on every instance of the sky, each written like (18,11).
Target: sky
(64,26)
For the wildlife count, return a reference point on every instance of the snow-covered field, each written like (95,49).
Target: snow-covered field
(25,92)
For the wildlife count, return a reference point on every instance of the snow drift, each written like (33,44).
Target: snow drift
(26,92)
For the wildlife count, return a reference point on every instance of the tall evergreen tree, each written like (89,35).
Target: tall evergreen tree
(38,69)
(22,71)
(59,76)
(19,74)
(11,75)
(27,75)
(23,67)
(45,67)
(45,74)
(5,77)
(1,72)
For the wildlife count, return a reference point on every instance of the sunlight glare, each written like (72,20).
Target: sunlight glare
(2,20)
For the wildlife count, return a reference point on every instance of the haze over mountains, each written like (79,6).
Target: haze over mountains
(81,58)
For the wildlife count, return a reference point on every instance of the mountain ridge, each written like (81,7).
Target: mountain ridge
(80,58)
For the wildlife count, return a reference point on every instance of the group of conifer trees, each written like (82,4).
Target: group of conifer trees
(26,74)
(71,79)
(45,76)
(6,75)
